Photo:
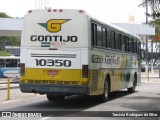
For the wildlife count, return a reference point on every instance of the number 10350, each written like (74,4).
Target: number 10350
(51,62)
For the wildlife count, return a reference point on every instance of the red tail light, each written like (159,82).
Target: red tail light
(55,10)
(80,11)
(22,69)
(60,10)
(30,11)
(84,71)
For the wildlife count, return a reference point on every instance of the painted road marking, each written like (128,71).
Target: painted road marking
(45,118)
(150,81)
(10,101)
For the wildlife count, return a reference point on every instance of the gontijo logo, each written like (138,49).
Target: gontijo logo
(49,40)
(54,25)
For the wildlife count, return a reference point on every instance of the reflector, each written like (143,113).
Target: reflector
(30,11)
(60,10)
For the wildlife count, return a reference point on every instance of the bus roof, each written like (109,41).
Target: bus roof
(75,11)
(84,12)
(117,28)
(9,57)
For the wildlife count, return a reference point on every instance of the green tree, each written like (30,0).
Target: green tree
(4,15)
(153,5)
(5,40)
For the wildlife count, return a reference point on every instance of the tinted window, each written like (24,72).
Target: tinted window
(109,41)
(118,41)
(130,45)
(122,43)
(94,34)
(139,47)
(135,46)
(104,36)
(113,39)
(11,62)
(99,36)
(126,43)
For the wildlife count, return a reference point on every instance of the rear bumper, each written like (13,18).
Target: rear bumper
(54,89)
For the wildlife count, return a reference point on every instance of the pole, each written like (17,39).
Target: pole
(35,4)
(146,11)
(152,61)
(146,56)
(146,39)
(148,76)
(48,3)
(8,89)
(159,59)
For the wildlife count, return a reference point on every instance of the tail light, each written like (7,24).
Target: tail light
(84,71)
(54,10)
(22,69)
(49,10)
(30,11)
(60,10)
(80,11)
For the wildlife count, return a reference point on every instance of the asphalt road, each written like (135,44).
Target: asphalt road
(146,98)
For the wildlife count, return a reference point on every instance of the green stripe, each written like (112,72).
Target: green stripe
(45,45)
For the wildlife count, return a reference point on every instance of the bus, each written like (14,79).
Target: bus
(66,52)
(9,67)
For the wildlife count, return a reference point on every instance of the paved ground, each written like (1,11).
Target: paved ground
(4,83)
(153,77)
(146,98)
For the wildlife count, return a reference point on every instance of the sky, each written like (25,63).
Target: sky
(114,11)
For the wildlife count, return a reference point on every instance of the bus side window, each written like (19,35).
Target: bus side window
(104,36)
(2,63)
(122,43)
(94,34)
(109,41)
(99,36)
(113,39)
(135,46)
(131,45)
(139,48)
(118,41)
(126,43)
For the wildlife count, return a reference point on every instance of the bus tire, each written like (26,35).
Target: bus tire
(132,89)
(55,98)
(104,97)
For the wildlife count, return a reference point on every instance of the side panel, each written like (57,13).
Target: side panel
(121,68)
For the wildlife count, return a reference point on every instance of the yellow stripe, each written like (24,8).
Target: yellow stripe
(37,74)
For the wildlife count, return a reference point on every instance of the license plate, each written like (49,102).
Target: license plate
(52,72)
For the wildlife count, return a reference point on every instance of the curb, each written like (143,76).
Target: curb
(10,88)
(10,82)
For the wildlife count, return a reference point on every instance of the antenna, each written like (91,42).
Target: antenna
(41,4)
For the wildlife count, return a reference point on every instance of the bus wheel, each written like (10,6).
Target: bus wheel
(132,89)
(105,95)
(55,98)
